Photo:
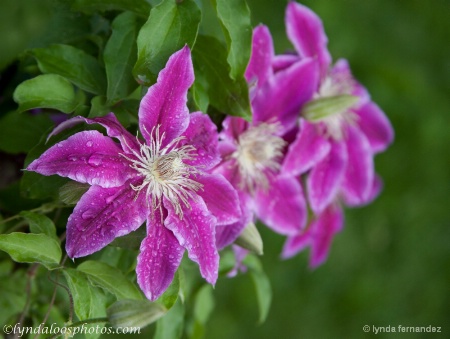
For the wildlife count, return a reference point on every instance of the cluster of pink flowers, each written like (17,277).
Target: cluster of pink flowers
(311,142)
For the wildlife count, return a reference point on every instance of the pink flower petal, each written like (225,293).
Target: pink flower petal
(376,126)
(284,61)
(282,207)
(86,157)
(342,77)
(306,151)
(326,177)
(259,68)
(202,134)
(323,230)
(159,258)
(296,243)
(282,97)
(101,215)
(113,128)
(227,234)
(220,197)
(358,179)
(196,232)
(229,169)
(377,186)
(306,32)
(233,127)
(164,104)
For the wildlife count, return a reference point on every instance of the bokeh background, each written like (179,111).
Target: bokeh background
(391,264)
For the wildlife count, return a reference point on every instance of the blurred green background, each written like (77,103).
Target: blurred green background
(391,264)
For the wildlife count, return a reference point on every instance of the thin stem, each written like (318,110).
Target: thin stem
(31,273)
(45,208)
(68,293)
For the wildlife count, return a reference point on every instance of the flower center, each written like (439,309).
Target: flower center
(165,173)
(258,155)
(335,85)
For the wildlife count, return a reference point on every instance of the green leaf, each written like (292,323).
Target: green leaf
(47,91)
(12,298)
(99,107)
(171,25)
(74,64)
(204,304)
(262,286)
(110,279)
(88,301)
(140,7)
(40,223)
(31,248)
(234,16)
(19,133)
(131,241)
(171,325)
(134,313)
(71,192)
(170,296)
(120,56)
(228,96)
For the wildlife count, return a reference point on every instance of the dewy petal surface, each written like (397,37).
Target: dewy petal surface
(159,257)
(305,30)
(259,68)
(220,198)
(376,126)
(86,157)
(282,97)
(202,134)
(101,215)
(326,177)
(307,150)
(196,233)
(358,179)
(282,207)
(323,230)
(164,104)
(113,128)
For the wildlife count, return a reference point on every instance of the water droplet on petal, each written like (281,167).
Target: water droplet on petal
(95,160)
(201,152)
(72,158)
(89,143)
(88,214)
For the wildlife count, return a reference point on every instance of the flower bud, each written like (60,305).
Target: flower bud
(321,108)
(250,239)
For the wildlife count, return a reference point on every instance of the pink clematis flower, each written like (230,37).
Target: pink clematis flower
(164,179)
(253,152)
(321,230)
(337,148)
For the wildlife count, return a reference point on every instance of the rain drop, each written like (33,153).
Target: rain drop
(95,160)
(88,214)
(89,143)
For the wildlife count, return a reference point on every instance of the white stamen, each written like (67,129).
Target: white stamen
(165,173)
(258,155)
